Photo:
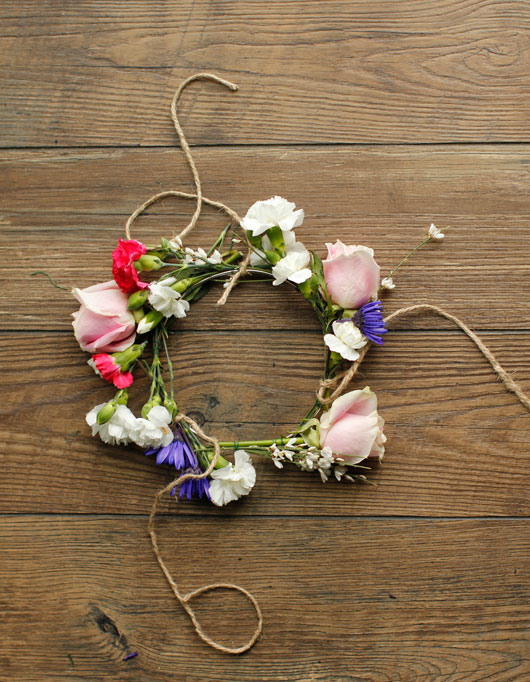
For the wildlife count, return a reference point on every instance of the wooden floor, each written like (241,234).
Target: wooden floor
(376,117)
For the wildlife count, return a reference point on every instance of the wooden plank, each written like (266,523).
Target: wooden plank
(70,206)
(339,71)
(358,599)
(457,442)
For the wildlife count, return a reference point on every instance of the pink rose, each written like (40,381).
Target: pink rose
(351,274)
(103,324)
(352,427)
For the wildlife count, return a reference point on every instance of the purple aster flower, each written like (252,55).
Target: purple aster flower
(193,487)
(180,454)
(369,319)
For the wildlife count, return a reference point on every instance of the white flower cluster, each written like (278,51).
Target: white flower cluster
(279,456)
(319,460)
(273,212)
(123,427)
(310,458)
(232,481)
(200,256)
(346,339)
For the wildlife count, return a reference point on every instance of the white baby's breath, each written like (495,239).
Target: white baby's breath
(201,256)
(175,244)
(388,283)
(435,233)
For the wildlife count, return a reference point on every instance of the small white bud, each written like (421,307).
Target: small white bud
(435,233)
(175,243)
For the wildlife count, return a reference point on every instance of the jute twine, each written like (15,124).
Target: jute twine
(184,599)
(328,391)
(337,384)
(198,196)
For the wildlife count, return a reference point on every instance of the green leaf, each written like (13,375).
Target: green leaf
(199,293)
(308,425)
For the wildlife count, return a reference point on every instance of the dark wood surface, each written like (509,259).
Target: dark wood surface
(377,118)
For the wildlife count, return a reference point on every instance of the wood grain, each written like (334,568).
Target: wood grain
(91,73)
(75,203)
(457,441)
(357,600)
(363,113)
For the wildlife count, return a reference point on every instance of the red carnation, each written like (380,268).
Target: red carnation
(123,270)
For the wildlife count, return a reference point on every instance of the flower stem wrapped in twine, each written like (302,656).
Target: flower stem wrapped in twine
(328,391)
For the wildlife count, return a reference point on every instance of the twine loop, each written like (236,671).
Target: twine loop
(185,599)
(198,196)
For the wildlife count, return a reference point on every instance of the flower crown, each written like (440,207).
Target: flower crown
(125,323)
(120,321)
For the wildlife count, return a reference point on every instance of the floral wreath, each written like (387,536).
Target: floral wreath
(125,322)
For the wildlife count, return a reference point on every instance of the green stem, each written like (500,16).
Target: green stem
(402,262)
(233,257)
(234,444)
(220,240)
(41,272)
(169,365)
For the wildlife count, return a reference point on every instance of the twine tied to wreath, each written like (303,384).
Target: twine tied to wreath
(337,384)
(328,391)
(198,196)
(184,599)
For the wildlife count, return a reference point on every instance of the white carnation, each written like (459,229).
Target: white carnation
(166,300)
(154,431)
(118,430)
(232,481)
(274,212)
(345,340)
(293,266)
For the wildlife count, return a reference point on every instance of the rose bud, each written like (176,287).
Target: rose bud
(351,274)
(352,428)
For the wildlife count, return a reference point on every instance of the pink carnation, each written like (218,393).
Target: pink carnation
(109,369)
(123,270)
